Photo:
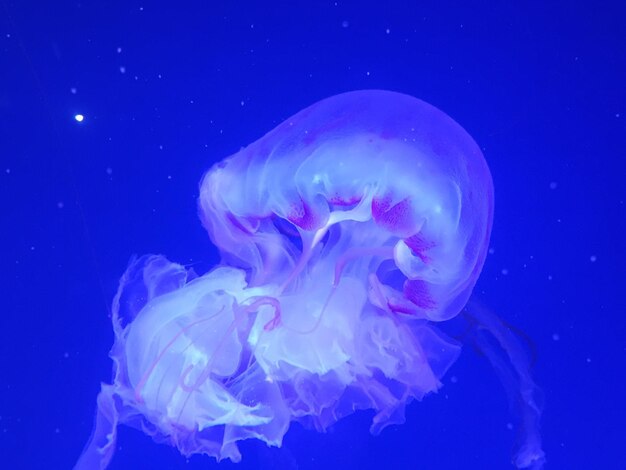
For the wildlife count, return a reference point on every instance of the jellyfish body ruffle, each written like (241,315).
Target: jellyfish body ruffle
(346,234)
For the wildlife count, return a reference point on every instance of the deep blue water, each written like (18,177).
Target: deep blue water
(167,90)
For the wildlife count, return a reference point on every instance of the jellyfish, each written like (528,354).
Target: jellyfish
(348,235)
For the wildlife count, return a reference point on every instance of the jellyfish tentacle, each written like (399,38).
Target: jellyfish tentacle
(146,375)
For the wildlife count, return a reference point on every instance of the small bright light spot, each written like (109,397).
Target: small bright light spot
(553,185)
(454,379)
(387,31)
(345,24)
(550,277)
(122,69)
(509,426)
(593,258)
(243,102)
(60,205)
(588,360)
(73,90)
(492,251)
(79,117)
(556,337)
(505,272)
(8,170)
(119,50)
(109,170)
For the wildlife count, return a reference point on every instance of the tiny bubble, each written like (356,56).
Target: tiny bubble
(593,258)
(8,170)
(66,355)
(122,69)
(119,50)
(588,360)
(492,251)
(553,185)
(505,272)
(73,90)
(243,102)
(345,24)
(454,379)
(556,337)
(109,170)
(387,31)
(509,426)
(60,205)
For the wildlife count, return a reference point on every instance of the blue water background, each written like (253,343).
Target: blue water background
(168,88)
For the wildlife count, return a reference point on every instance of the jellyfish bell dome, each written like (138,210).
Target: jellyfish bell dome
(364,170)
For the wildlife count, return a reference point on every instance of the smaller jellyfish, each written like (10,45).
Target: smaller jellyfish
(347,235)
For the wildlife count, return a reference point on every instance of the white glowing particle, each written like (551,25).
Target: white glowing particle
(79,117)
